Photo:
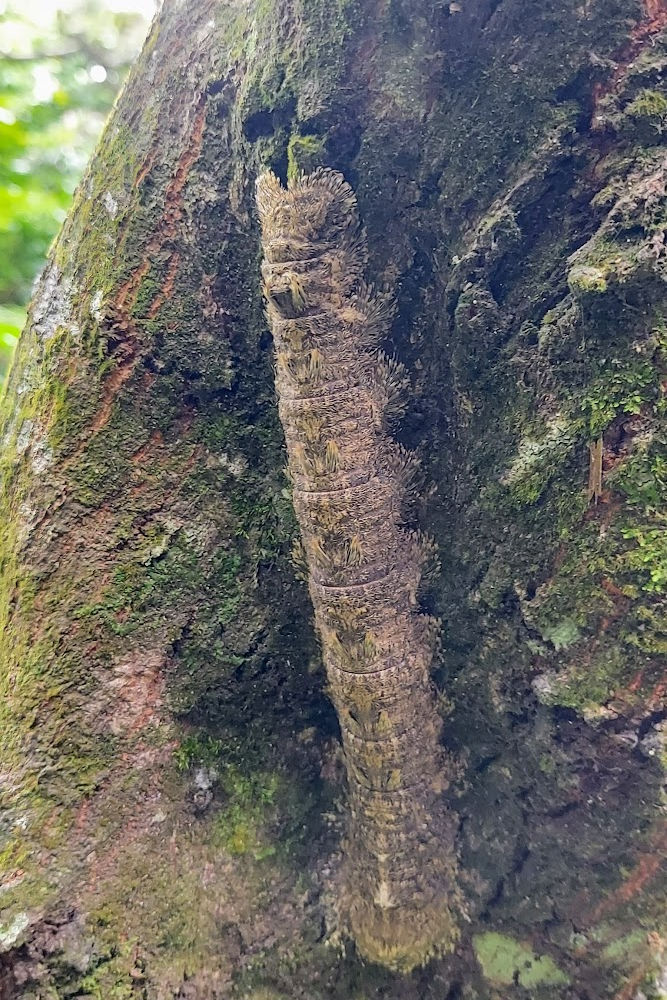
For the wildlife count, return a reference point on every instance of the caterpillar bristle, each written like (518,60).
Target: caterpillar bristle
(332,457)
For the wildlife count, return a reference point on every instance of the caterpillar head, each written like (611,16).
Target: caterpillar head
(312,214)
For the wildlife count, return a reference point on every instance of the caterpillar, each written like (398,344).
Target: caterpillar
(337,397)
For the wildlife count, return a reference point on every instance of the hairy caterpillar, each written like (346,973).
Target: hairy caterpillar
(337,396)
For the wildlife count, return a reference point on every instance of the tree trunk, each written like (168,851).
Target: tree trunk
(173,797)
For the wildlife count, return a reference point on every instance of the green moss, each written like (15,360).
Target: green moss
(590,683)
(292,74)
(642,478)
(138,585)
(649,106)
(13,857)
(527,490)
(240,826)
(266,994)
(538,460)
(650,632)
(252,802)
(304,154)
(199,748)
(547,764)
(256,805)
(111,981)
(504,960)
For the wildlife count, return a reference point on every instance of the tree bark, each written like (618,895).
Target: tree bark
(172,793)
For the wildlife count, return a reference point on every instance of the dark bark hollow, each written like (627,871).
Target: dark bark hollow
(337,393)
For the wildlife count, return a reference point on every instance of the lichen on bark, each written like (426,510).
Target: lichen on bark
(336,394)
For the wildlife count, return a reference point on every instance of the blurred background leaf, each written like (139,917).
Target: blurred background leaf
(61,65)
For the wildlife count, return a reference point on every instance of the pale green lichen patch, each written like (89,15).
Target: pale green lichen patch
(563,634)
(537,460)
(587,280)
(10,933)
(620,948)
(505,961)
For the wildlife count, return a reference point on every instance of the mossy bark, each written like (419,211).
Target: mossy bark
(170,787)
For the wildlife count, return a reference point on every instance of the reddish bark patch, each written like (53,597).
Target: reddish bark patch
(174,194)
(155,441)
(137,686)
(656,699)
(636,681)
(128,292)
(173,210)
(610,588)
(645,871)
(652,22)
(655,18)
(112,387)
(167,289)
(630,989)
(145,168)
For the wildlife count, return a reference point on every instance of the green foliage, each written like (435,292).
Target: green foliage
(649,555)
(58,78)
(643,480)
(12,318)
(620,387)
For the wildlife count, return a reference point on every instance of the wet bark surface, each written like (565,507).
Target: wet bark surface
(171,794)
